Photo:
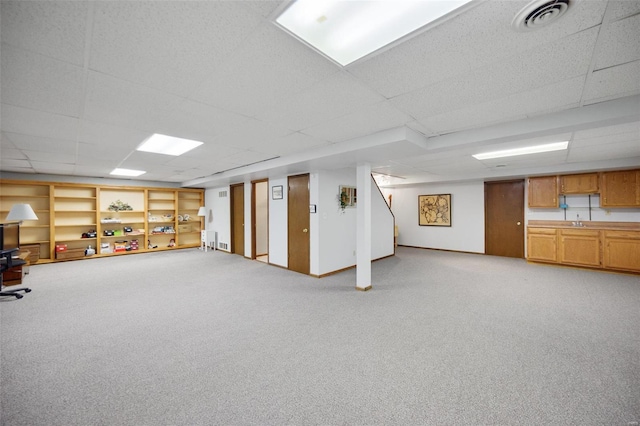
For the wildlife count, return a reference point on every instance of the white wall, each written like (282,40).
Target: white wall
(336,229)
(218,214)
(579,205)
(466,232)
(278,230)
(381,225)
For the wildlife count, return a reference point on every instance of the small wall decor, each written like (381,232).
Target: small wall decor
(347,196)
(276,192)
(434,210)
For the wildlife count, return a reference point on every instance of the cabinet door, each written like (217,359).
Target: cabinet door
(622,250)
(586,183)
(620,189)
(543,191)
(579,247)
(542,244)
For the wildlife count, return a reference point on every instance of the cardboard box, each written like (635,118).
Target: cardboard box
(69,254)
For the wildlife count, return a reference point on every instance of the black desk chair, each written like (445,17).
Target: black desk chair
(7,261)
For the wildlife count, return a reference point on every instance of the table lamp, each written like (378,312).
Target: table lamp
(21,212)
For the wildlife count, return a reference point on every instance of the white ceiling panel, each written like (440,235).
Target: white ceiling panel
(555,97)
(620,43)
(290,144)
(613,82)
(252,134)
(335,96)
(52,168)
(555,62)
(609,131)
(628,149)
(38,123)
(247,157)
(12,154)
(95,133)
(467,42)
(40,144)
(54,29)
(16,165)
(39,82)
(619,9)
(112,153)
(52,157)
(125,104)
(374,118)
(171,45)
(269,68)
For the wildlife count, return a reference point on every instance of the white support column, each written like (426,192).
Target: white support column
(363,228)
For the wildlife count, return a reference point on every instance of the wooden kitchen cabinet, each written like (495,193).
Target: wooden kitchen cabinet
(579,247)
(622,250)
(585,183)
(620,189)
(542,244)
(543,192)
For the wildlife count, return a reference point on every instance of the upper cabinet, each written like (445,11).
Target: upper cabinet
(543,192)
(586,183)
(620,189)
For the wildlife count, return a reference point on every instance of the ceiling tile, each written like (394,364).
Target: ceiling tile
(53,168)
(555,62)
(167,45)
(37,123)
(619,44)
(290,144)
(50,157)
(599,132)
(614,82)
(268,68)
(38,82)
(619,9)
(60,27)
(94,133)
(12,154)
(125,104)
(481,36)
(627,149)
(335,96)
(366,121)
(555,97)
(103,152)
(38,143)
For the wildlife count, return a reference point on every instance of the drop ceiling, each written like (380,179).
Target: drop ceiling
(84,83)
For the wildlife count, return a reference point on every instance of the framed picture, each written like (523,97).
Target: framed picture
(434,210)
(276,192)
(347,196)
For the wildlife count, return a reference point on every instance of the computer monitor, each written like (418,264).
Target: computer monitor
(9,236)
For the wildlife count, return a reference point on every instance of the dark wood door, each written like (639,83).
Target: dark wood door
(298,229)
(237,219)
(504,218)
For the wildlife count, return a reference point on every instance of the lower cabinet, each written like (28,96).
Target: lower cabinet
(542,244)
(579,247)
(606,249)
(622,250)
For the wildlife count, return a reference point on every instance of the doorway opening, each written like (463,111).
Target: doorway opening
(260,220)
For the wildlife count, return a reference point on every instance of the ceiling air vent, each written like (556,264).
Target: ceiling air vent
(540,13)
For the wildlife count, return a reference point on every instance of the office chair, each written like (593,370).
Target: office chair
(7,262)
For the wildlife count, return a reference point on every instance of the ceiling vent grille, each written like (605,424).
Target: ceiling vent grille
(540,13)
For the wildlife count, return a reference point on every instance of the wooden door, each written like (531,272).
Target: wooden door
(298,227)
(504,218)
(237,219)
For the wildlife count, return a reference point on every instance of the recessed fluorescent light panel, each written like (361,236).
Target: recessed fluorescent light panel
(127,172)
(346,31)
(169,145)
(556,146)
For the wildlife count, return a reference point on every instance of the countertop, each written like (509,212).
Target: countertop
(587,224)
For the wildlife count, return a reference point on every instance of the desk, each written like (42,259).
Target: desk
(14,275)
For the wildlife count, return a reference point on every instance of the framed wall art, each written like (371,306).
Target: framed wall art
(434,210)
(276,192)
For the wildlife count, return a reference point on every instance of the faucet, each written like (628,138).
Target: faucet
(578,222)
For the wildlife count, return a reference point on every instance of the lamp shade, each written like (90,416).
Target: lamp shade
(202,211)
(20,212)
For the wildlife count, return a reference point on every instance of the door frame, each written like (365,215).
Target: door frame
(254,253)
(308,216)
(232,217)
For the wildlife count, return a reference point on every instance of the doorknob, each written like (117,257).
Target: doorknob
(305,230)
(518,223)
